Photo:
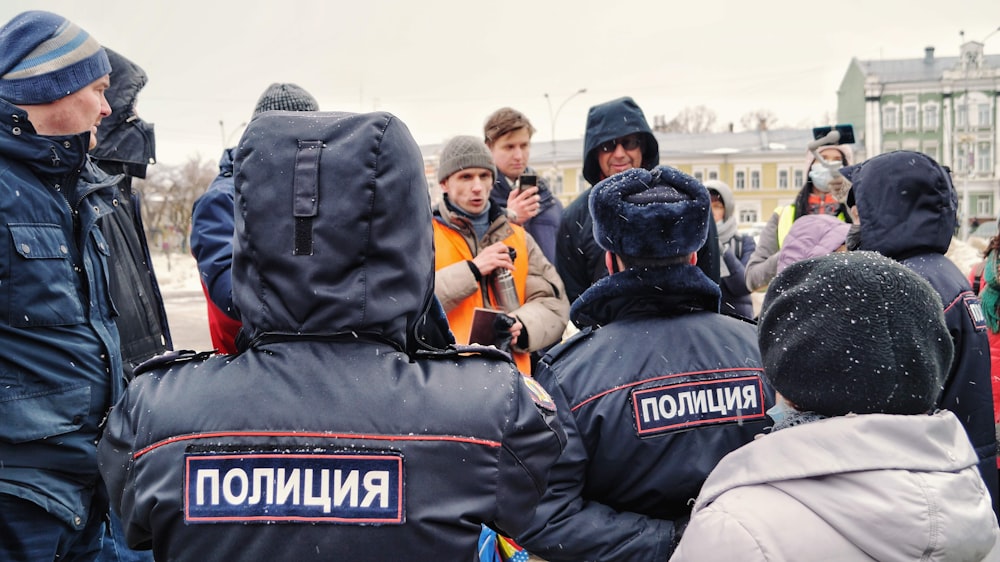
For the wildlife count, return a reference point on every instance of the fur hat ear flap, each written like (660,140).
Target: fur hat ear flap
(655,214)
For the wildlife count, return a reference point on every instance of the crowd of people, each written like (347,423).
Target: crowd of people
(392,380)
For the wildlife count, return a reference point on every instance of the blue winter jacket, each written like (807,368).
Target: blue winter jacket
(212,227)
(60,365)
(652,394)
(908,213)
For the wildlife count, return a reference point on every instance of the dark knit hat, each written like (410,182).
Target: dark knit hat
(854,332)
(463,152)
(45,57)
(285,97)
(650,214)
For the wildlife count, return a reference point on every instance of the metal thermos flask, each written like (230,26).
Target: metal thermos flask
(503,289)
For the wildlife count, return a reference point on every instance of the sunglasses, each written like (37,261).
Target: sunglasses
(630,142)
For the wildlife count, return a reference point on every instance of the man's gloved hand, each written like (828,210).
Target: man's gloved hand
(502,324)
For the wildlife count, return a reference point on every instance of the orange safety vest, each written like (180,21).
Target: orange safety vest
(451,247)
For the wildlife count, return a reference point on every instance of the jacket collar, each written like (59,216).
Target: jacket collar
(661,291)
(47,156)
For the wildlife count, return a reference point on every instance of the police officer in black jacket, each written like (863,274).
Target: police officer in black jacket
(349,428)
(657,386)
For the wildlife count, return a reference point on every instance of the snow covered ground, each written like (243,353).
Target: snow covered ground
(176,272)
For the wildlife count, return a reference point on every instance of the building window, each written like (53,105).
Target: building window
(962,116)
(741,180)
(748,215)
(699,176)
(798,179)
(889,119)
(755,180)
(984,206)
(984,164)
(713,175)
(782,179)
(963,163)
(931,149)
(984,115)
(930,117)
(910,117)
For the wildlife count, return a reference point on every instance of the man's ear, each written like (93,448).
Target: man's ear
(611,262)
(444,186)
(693,258)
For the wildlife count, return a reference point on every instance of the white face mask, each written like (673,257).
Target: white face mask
(821,176)
(781,410)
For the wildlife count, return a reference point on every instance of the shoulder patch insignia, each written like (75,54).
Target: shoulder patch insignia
(538,394)
(678,407)
(336,488)
(975,309)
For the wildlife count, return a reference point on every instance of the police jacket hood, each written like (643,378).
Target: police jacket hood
(906,203)
(612,120)
(333,229)
(122,136)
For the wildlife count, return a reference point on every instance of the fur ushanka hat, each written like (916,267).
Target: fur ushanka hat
(650,214)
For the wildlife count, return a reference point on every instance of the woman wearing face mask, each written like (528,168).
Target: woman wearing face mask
(821,194)
(735,250)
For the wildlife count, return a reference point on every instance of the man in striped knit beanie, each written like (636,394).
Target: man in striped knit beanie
(60,361)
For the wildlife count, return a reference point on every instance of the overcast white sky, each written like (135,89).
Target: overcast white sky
(443,66)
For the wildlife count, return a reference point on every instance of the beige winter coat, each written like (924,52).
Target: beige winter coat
(868,487)
(545,311)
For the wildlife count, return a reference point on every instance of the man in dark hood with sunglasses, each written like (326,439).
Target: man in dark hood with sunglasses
(618,138)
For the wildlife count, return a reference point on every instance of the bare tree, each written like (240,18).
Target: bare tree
(168,194)
(759,120)
(699,119)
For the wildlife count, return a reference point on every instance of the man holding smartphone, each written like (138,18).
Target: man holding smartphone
(517,188)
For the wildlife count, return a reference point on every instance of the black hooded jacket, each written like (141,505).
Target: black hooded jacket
(348,429)
(579,260)
(907,206)
(125,146)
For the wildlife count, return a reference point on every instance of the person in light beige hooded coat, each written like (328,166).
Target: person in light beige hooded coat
(856,467)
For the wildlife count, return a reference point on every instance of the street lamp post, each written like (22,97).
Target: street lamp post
(552,121)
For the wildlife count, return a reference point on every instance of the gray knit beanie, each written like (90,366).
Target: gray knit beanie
(463,152)
(854,332)
(285,97)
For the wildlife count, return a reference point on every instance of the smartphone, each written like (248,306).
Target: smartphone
(527,180)
(846,133)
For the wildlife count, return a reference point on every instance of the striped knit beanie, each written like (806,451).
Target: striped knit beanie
(45,57)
